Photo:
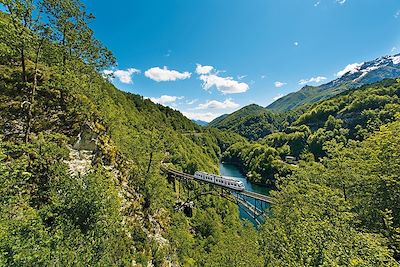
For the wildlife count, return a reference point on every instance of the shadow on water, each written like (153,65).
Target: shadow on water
(233,171)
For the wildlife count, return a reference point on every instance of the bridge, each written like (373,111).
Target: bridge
(253,204)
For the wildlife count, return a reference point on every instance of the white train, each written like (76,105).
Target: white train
(220,180)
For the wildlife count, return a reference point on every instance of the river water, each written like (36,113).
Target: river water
(233,171)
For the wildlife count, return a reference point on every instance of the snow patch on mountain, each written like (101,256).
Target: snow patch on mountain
(351,68)
(395,59)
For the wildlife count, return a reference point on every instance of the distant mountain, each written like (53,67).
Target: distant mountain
(254,121)
(218,119)
(353,76)
(200,122)
(224,121)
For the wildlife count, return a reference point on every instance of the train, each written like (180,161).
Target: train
(220,180)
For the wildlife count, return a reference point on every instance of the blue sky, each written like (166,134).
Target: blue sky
(210,57)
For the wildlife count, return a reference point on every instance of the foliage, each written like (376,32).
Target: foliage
(120,210)
(342,211)
(56,108)
(348,116)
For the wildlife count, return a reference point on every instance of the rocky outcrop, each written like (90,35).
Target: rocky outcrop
(80,161)
(87,138)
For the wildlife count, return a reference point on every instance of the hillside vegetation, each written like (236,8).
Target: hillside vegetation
(80,160)
(254,122)
(342,211)
(343,193)
(348,116)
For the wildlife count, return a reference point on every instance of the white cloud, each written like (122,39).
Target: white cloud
(341,1)
(352,68)
(279,84)
(397,14)
(161,75)
(312,80)
(241,77)
(278,96)
(263,76)
(124,76)
(165,99)
(394,49)
(296,43)
(191,102)
(226,85)
(317,3)
(207,116)
(202,70)
(214,104)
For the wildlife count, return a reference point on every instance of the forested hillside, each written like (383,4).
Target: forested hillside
(80,160)
(341,194)
(254,122)
(352,115)
(342,211)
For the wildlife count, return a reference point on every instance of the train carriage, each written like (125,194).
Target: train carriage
(220,180)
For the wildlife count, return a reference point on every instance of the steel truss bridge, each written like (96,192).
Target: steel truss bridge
(253,204)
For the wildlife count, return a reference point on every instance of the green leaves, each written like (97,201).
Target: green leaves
(341,212)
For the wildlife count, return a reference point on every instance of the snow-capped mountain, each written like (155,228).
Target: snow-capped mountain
(354,75)
(371,71)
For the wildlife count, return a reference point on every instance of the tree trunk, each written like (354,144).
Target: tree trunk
(150,161)
(32,97)
(24,79)
(64,59)
(344,193)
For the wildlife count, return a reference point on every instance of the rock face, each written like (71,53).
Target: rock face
(87,139)
(81,154)
(79,161)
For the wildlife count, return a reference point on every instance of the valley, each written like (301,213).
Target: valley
(95,174)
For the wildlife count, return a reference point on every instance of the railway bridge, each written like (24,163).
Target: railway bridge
(253,204)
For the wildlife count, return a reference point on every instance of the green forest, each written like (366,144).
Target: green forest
(80,165)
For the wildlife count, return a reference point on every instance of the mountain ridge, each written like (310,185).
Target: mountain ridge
(254,121)
(354,75)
